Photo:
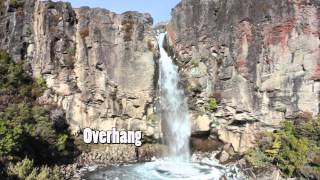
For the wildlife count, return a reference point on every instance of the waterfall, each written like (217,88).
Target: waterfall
(176,127)
(173,111)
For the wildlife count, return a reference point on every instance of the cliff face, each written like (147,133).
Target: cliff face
(259,58)
(98,66)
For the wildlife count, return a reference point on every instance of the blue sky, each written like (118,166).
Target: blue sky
(160,10)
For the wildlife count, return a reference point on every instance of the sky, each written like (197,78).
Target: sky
(160,10)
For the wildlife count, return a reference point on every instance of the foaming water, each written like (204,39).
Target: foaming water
(165,170)
(173,111)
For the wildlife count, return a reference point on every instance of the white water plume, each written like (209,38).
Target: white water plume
(173,107)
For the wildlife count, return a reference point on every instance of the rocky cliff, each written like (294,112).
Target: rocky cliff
(258,58)
(99,66)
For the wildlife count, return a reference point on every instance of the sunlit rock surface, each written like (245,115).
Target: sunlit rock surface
(260,59)
(99,66)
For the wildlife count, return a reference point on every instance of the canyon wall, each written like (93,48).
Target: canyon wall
(99,66)
(260,59)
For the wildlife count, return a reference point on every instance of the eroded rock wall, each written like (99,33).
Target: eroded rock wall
(259,58)
(99,66)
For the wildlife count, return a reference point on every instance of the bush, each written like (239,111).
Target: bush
(294,150)
(62,141)
(41,82)
(22,170)
(2,8)
(44,126)
(71,50)
(258,159)
(212,105)
(290,148)
(4,62)
(275,148)
(16,3)
(13,79)
(310,130)
(299,141)
(56,174)
(26,129)
(195,62)
(25,170)
(44,173)
(10,137)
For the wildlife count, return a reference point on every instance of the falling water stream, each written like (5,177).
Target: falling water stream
(176,125)
(173,107)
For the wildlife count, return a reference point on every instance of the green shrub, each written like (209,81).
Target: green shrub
(44,173)
(298,141)
(28,30)
(195,62)
(4,62)
(10,137)
(13,78)
(293,155)
(310,130)
(56,174)
(41,82)
(26,129)
(212,105)
(2,8)
(25,170)
(22,169)
(16,3)
(71,50)
(290,148)
(275,148)
(258,159)
(62,141)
